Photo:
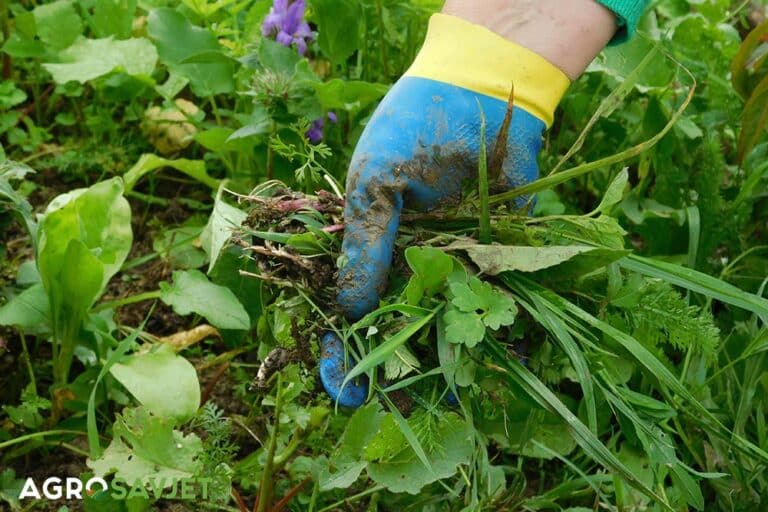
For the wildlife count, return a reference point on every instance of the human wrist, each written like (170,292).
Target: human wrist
(567,34)
(628,13)
(470,56)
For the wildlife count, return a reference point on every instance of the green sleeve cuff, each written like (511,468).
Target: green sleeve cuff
(628,13)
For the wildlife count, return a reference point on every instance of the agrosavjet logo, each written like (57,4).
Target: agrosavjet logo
(72,488)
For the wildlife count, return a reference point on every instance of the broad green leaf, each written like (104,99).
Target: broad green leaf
(402,471)
(10,95)
(614,193)
(223,220)
(191,292)
(220,140)
(57,24)
(637,64)
(688,487)
(10,488)
(150,162)
(387,443)
(177,39)
(346,463)
(28,311)
(180,247)
(99,216)
(89,59)
(23,48)
(431,268)
(278,58)
(162,381)
(495,259)
(113,17)
(338,24)
(461,327)
(83,241)
(546,438)
(146,448)
(248,290)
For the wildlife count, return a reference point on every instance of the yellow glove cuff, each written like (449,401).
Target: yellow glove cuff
(470,56)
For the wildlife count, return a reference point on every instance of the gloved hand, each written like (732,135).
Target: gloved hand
(423,141)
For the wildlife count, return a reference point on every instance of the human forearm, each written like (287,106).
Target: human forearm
(569,34)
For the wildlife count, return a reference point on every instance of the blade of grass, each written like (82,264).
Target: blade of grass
(482,178)
(440,370)
(117,355)
(410,435)
(609,104)
(697,282)
(694,234)
(539,392)
(559,332)
(384,351)
(656,368)
(561,177)
(499,151)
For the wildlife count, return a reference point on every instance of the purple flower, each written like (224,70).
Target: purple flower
(315,132)
(287,22)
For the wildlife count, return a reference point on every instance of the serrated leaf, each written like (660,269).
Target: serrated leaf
(502,311)
(466,328)
(177,39)
(464,298)
(345,466)
(147,448)
(400,364)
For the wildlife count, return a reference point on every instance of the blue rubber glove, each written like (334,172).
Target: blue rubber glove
(422,143)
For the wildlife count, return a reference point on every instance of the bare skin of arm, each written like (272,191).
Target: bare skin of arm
(569,34)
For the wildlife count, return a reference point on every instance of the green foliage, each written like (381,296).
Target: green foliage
(658,314)
(83,240)
(147,448)
(476,305)
(573,360)
(179,43)
(89,59)
(192,292)
(164,383)
(27,414)
(219,450)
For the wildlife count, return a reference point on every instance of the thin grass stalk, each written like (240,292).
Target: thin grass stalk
(539,392)
(555,179)
(482,174)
